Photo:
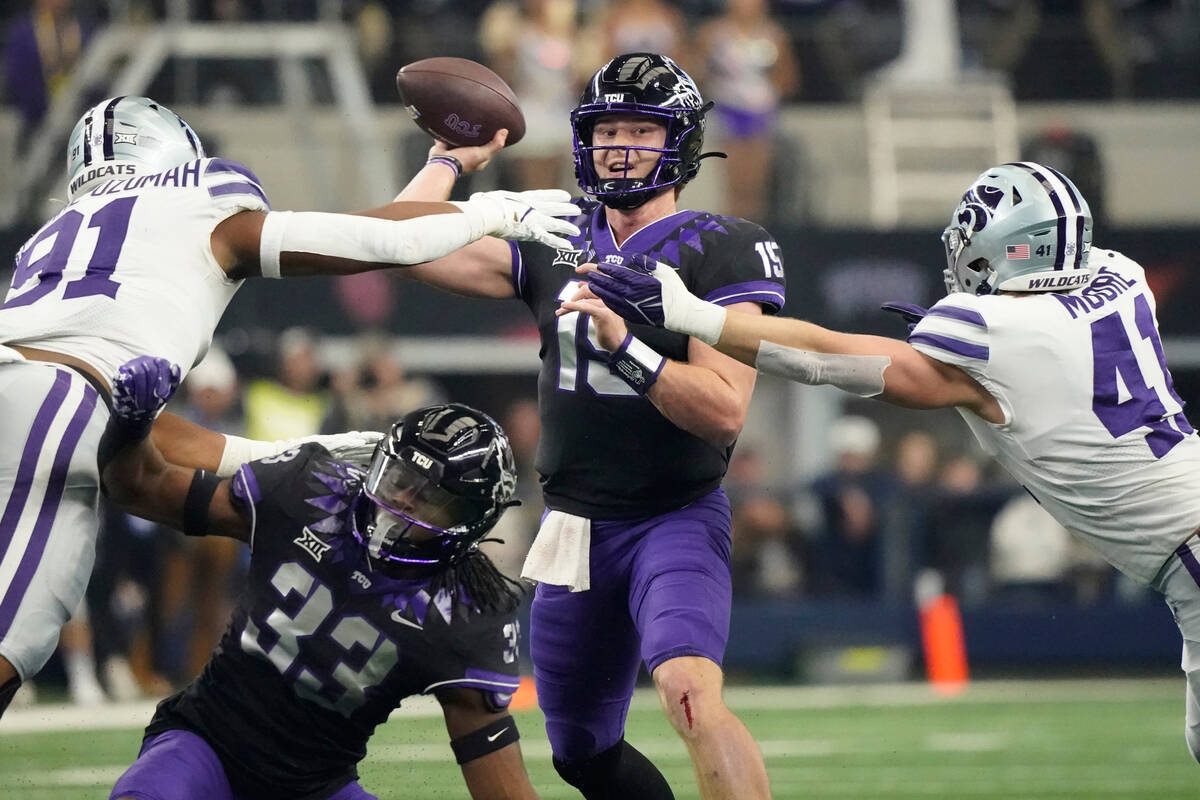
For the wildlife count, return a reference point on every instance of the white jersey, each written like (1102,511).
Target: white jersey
(1094,429)
(128,269)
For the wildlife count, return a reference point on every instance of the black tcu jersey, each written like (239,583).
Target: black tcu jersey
(321,648)
(605,452)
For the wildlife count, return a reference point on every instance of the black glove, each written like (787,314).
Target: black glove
(911,312)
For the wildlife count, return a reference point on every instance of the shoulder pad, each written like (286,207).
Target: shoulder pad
(230,182)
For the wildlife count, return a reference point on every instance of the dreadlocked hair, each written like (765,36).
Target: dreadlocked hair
(474,579)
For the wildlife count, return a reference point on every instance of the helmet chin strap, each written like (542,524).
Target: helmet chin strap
(378,530)
(632,200)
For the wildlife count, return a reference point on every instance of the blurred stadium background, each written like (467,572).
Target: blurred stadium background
(886,110)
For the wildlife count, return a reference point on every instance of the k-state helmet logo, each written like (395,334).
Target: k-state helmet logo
(978,206)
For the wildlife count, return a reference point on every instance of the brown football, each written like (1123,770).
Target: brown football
(459,101)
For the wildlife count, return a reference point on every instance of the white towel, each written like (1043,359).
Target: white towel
(559,553)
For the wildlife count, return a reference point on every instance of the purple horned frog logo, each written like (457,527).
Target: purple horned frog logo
(462,127)
(978,206)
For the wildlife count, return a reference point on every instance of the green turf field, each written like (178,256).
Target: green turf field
(1020,740)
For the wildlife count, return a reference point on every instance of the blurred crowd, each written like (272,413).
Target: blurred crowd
(751,56)
(888,512)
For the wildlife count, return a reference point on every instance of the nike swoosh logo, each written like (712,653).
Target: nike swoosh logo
(497,734)
(398,616)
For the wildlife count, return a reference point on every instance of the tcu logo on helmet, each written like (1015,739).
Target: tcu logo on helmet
(421,460)
(461,126)
(978,206)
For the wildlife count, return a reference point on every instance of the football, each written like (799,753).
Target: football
(459,101)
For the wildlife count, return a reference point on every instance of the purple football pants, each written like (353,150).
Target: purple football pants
(179,765)
(660,588)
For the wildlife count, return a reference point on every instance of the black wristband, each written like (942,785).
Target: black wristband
(199,497)
(450,161)
(487,739)
(636,363)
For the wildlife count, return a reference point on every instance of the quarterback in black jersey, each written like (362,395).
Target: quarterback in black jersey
(365,587)
(632,559)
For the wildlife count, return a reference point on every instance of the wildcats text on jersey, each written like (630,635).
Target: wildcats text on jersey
(1105,287)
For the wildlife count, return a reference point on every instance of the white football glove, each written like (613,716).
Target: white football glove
(524,216)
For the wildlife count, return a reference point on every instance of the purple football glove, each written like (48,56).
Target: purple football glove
(630,289)
(142,387)
(911,312)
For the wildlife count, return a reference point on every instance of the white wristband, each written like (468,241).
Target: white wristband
(636,363)
(270,242)
(683,312)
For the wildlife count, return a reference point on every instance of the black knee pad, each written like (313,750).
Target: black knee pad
(619,773)
(7,691)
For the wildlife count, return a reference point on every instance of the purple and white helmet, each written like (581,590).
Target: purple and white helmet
(1020,227)
(127,135)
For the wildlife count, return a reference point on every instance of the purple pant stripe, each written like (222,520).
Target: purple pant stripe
(1189,560)
(29,458)
(45,519)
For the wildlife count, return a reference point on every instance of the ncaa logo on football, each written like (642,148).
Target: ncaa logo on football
(421,460)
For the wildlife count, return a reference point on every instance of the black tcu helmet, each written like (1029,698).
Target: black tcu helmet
(654,86)
(439,481)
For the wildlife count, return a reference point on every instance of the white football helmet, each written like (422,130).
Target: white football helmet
(1021,227)
(135,133)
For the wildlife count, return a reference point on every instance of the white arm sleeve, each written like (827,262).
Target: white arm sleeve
(366,239)
(860,375)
